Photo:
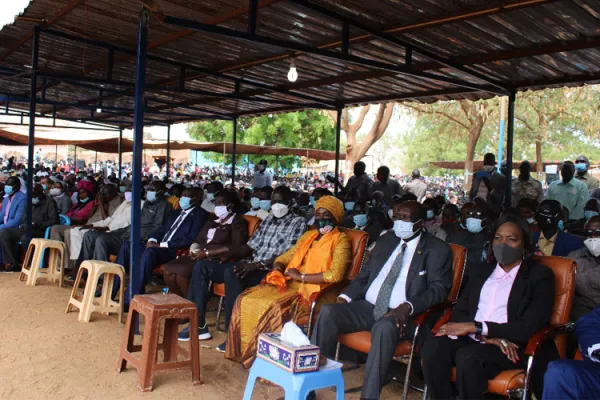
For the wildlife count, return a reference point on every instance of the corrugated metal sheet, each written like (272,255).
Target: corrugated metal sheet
(519,44)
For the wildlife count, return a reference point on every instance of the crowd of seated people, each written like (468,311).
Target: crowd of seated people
(201,236)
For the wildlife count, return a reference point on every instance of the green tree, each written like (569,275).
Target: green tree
(303,129)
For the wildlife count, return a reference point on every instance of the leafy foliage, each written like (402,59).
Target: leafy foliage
(304,129)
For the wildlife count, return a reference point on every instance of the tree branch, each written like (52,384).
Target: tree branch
(450,117)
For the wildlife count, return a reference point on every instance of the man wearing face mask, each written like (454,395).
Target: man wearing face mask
(178,233)
(264,202)
(211,190)
(550,240)
(494,192)
(262,177)
(475,237)
(571,193)
(99,245)
(582,164)
(409,271)
(63,202)
(587,279)
(254,202)
(349,201)
(591,209)
(432,223)
(527,209)
(44,214)
(120,218)
(303,206)
(359,182)
(388,186)
(13,205)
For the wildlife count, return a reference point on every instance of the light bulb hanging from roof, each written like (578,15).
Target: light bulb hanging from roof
(293,73)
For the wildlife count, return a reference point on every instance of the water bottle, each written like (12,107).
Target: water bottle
(165,290)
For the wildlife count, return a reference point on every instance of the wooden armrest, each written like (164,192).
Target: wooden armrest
(419,319)
(548,332)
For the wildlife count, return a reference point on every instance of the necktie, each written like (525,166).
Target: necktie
(174,227)
(385,292)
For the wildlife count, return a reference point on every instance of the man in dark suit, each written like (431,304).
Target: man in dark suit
(409,271)
(550,240)
(178,233)
(577,379)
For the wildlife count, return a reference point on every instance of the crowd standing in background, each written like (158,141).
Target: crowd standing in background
(196,225)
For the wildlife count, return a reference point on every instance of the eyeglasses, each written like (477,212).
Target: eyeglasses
(475,214)
(592,233)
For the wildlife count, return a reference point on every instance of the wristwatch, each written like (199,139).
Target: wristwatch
(207,253)
(478,328)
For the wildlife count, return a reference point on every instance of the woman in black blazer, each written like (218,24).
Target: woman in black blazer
(504,303)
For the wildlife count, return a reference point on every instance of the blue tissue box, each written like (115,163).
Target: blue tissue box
(292,359)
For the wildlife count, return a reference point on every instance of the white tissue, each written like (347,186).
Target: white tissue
(292,335)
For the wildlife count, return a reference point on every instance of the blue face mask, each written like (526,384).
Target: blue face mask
(580,167)
(313,201)
(530,220)
(265,205)
(349,205)
(151,196)
(185,202)
(589,214)
(561,225)
(430,214)
(360,220)
(122,189)
(8,189)
(474,225)
(83,201)
(45,187)
(463,226)
(35,201)
(210,196)
(255,202)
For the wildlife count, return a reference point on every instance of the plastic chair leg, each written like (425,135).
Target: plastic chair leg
(252,377)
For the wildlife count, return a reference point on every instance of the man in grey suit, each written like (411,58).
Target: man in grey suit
(409,271)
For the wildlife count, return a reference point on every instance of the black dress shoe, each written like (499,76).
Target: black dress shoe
(12,268)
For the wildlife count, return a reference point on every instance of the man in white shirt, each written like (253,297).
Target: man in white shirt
(409,271)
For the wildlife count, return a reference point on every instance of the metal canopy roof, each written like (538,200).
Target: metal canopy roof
(211,59)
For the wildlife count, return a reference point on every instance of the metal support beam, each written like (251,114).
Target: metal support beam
(168,151)
(75,163)
(338,133)
(55,157)
(398,42)
(138,145)
(252,14)
(96,163)
(35,48)
(109,65)
(120,153)
(509,146)
(233,150)
(398,69)
(346,38)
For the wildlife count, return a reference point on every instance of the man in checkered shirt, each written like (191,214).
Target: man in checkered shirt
(280,230)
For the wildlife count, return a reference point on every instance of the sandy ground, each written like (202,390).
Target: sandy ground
(47,354)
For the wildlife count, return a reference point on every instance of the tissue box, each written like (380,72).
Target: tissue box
(292,359)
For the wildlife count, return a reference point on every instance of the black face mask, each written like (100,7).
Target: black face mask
(546,222)
(505,254)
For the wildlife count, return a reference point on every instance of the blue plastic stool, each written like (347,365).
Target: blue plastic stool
(296,386)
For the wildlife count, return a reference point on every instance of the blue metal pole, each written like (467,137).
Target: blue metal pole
(119,174)
(512,97)
(338,129)
(501,136)
(168,150)
(138,144)
(31,142)
(233,151)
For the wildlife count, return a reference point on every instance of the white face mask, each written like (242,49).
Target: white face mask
(279,210)
(221,211)
(403,229)
(593,245)
(128,197)
(55,192)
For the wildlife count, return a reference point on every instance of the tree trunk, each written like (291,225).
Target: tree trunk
(471,143)
(539,163)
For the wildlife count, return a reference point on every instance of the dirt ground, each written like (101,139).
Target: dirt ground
(47,354)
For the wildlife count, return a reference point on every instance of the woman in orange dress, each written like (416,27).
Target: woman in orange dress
(320,258)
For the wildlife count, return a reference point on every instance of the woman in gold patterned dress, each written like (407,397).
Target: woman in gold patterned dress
(320,258)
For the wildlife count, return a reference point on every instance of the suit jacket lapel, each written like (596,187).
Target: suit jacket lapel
(417,260)
(385,250)
(516,292)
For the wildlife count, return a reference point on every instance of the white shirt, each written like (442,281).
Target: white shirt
(121,218)
(177,224)
(399,291)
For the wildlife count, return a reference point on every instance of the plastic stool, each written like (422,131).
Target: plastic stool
(155,308)
(88,303)
(296,386)
(57,261)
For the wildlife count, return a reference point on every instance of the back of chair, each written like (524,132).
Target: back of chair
(359,244)
(253,224)
(564,291)
(459,261)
